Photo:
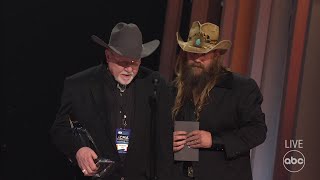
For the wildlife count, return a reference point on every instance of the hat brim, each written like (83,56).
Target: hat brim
(147,48)
(188,46)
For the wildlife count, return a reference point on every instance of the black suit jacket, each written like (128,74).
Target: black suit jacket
(234,117)
(84,99)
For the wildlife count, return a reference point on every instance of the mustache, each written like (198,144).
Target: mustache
(127,73)
(198,65)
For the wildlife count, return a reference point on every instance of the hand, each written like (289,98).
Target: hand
(199,139)
(179,140)
(85,158)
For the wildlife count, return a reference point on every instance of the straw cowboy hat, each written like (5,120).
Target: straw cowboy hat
(126,40)
(203,38)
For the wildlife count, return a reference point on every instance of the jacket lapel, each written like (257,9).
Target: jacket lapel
(223,85)
(136,115)
(217,94)
(138,123)
(99,98)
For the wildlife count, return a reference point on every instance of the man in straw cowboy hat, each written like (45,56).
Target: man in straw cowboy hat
(112,101)
(226,105)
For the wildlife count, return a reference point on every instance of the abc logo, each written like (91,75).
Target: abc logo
(294,161)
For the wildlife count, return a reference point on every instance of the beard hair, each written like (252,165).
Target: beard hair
(195,82)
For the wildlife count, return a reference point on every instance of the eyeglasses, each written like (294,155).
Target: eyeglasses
(124,61)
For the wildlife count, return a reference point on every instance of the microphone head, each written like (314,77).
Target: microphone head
(155,81)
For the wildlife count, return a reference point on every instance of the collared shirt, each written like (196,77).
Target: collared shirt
(120,105)
(188,168)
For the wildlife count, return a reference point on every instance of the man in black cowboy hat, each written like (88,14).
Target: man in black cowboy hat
(113,101)
(226,105)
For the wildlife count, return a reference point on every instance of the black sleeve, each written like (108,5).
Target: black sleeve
(252,128)
(61,131)
(217,142)
(165,133)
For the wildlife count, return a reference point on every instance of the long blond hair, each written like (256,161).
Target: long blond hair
(217,69)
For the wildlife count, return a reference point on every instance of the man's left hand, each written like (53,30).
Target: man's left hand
(199,139)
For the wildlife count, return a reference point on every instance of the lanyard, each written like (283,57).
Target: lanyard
(122,99)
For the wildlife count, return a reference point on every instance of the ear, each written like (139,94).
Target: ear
(218,52)
(107,54)
(222,51)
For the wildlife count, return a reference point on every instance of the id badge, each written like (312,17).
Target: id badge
(122,140)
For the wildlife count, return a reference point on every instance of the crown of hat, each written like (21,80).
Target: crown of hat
(203,33)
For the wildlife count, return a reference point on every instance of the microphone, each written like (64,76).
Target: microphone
(155,81)
(153,133)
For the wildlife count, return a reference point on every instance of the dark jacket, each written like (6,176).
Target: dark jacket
(84,99)
(234,117)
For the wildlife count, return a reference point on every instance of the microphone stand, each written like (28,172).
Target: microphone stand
(153,133)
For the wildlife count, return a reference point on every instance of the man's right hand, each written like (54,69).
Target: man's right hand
(85,158)
(179,140)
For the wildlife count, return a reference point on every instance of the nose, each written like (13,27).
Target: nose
(198,59)
(128,69)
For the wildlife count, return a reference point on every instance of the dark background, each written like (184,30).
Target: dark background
(44,42)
